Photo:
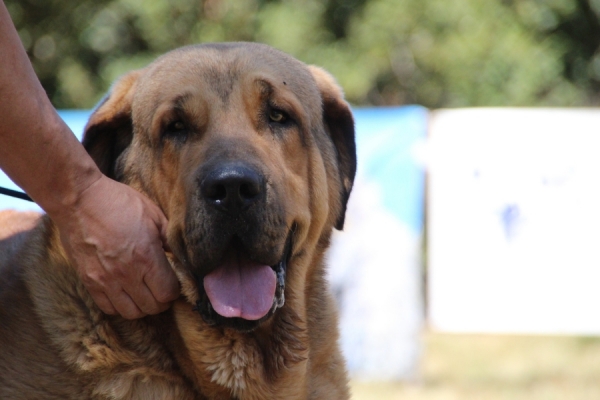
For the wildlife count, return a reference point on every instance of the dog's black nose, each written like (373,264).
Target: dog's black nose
(232,187)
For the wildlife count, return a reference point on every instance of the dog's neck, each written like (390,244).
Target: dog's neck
(225,362)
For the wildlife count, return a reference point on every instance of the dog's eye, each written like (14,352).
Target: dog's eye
(277,116)
(176,126)
(176,129)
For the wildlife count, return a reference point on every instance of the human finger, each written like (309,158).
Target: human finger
(145,301)
(103,302)
(161,280)
(125,305)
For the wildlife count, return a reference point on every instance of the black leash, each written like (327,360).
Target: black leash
(15,193)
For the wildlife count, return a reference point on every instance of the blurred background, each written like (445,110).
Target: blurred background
(436,53)
(478,282)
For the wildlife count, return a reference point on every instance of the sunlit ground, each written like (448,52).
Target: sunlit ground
(498,368)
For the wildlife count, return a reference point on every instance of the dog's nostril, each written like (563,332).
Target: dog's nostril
(249,190)
(232,187)
(216,192)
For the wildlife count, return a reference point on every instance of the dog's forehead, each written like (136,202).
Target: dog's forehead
(218,68)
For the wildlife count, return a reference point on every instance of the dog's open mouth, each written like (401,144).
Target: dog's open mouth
(241,293)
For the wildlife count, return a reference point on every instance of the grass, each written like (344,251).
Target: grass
(495,367)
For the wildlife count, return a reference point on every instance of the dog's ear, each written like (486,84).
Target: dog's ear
(109,130)
(340,124)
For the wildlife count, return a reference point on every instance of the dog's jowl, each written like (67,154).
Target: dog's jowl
(250,154)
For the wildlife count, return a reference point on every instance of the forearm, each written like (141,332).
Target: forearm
(37,150)
(112,234)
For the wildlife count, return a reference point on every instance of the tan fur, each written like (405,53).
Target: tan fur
(54,341)
(13,222)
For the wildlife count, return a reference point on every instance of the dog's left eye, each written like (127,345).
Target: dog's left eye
(277,116)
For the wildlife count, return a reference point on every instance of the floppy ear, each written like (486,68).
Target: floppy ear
(340,124)
(110,129)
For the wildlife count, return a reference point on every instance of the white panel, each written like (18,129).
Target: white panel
(514,221)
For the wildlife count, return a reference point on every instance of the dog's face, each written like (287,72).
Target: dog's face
(249,153)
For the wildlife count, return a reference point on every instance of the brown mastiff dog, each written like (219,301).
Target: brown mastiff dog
(251,156)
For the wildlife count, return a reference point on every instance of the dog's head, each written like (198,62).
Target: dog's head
(251,156)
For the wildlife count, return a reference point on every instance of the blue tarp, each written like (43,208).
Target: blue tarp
(386,141)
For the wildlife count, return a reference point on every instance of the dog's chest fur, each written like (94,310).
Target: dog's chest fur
(233,365)
(174,355)
(178,357)
(222,364)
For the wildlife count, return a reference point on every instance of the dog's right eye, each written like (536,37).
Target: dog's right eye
(176,129)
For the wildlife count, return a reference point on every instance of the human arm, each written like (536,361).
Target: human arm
(113,234)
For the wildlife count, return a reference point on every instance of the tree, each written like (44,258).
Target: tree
(438,53)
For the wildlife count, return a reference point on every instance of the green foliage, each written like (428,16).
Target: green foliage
(438,53)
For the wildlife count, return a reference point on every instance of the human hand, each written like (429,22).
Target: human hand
(115,238)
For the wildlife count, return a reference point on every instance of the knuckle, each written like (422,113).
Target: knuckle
(166,295)
(148,306)
(144,262)
(120,272)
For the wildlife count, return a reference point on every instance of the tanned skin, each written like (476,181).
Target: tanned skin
(113,235)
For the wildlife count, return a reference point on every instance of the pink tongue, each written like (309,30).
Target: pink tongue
(243,291)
